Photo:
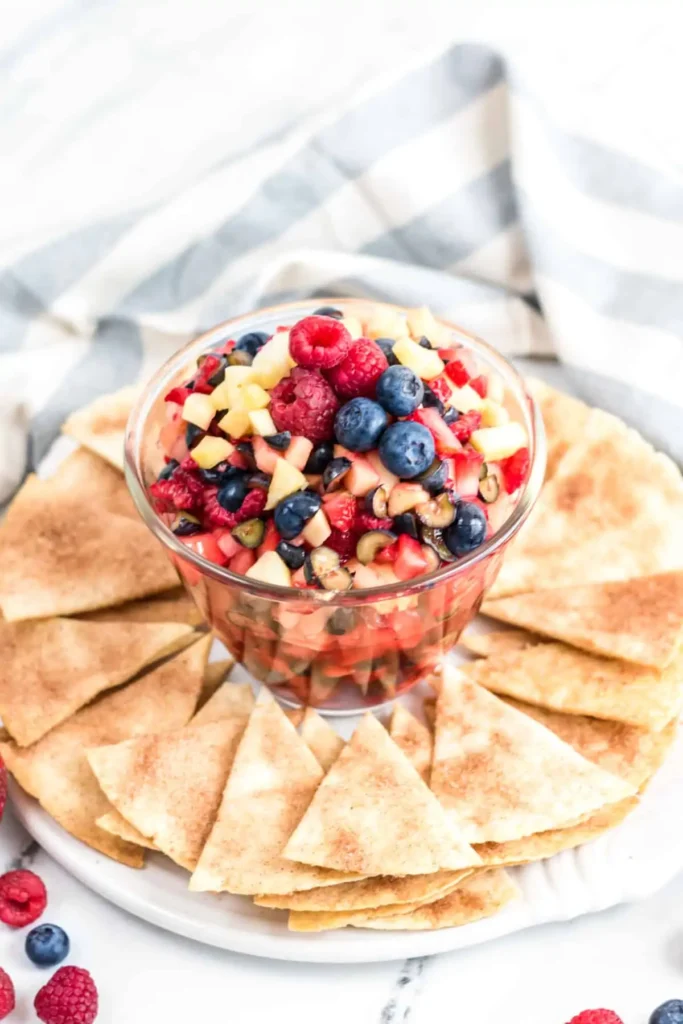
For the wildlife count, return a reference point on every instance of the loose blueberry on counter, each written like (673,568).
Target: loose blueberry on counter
(406,449)
(168,470)
(336,314)
(670,1012)
(387,346)
(280,442)
(233,493)
(193,434)
(468,529)
(400,391)
(252,342)
(291,555)
(319,458)
(47,945)
(359,424)
(293,512)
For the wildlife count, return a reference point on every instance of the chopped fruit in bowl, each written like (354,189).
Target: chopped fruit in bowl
(335,480)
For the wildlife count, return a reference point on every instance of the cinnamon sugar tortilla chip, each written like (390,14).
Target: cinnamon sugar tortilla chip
(273,778)
(321,739)
(56,772)
(501,775)
(639,620)
(562,678)
(612,511)
(295,716)
(173,606)
(374,815)
(414,739)
(101,425)
(501,641)
(564,418)
(368,894)
(214,677)
(95,482)
(228,700)
(50,668)
(116,825)
(482,895)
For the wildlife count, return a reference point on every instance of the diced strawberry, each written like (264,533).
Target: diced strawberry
(468,465)
(227,543)
(340,508)
(271,538)
(450,472)
(480,385)
(238,460)
(465,424)
(297,452)
(170,434)
(242,561)
(515,469)
(178,395)
(410,561)
(457,372)
(446,354)
(446,443)
(266,457)
(441,388)
(388,555)
(361,478)
(210,365)
(228,347)
(206,546)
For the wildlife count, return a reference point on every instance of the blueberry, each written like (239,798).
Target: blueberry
(319,457)
(291,555)
(359,423)
(47,945)
(670,1012)
(425,342)
(400,391)
(186,526)
(252,342)
(468,529)
(387,346)
(451,415)
(232,494)
(280,442)
(406,522)
(293,512)
(219,475)
(406,449)
(432,401)
(219,376)
(329,311)
(169,469)
(193,434)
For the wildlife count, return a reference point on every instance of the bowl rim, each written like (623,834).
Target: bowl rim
(162,380)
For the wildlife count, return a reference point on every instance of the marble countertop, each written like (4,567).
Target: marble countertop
(629,959)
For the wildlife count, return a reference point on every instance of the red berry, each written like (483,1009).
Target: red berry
(480,385)
(596,1017)
(457,372)
(178,395)
(343,543)
(467,422)
(444,441)
(359,372)
(215,515)
(7,998)
(365,521)
(70,997)
(210,365)
(304,403)
(340,508)
(515,469)
(441,388)
(319,342)
(206,546)
(182,492)
(410,560)
(23,898)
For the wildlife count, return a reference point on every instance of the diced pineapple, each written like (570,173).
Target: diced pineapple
(425,362)
(254,397)
(422,324)
(317,529)
(385,323)
(465,399)
(499,442)
(211,450)
(228,394)
(273,362)
(353,326)
(496,388)
(493,414)
(270,568)
(286,480)
(198,409)
(236,423)
(262,422)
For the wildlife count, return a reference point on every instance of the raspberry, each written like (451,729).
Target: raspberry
(304,403)
(365,522)
(596,1017)
(189,465)
(465,424)
(480,385)
(343,543)
(357,375)
(215,515)
(319,342)
(7,999)
(514,469)
(457,372)
(181,492)
(70,997)
(23,898)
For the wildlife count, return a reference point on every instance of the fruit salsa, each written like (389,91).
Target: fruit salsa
(339,455)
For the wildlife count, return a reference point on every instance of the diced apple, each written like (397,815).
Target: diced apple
(266,457)
(496,443)
(227,543)
(465,399)
(366,576)
(425,362)
(298,450)
(386,478)
(228,394)
(262,422)
(385,323)
(254,397)
(273,362)
(286,480)
(171,432)
(406,496)
(317,529)
(493,414)
(211,450)
(236,423)
(496,389)
(198,409)
(353,326)
(270,568)
(340,452)
(422,324)
(361,478)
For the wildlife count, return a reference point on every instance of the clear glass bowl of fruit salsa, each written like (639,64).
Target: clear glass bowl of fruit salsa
(336,483)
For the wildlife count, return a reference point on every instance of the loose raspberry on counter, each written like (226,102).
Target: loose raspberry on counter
(357,375)
(70,997)
(465,424)
(515,469)
(319,342)
(304,403)
(596,1017)
(23,898)
(7,997)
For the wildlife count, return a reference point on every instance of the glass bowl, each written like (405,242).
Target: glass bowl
(338,652)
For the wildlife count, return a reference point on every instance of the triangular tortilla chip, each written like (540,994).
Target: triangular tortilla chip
(546,844)
(321,739)
(564,679)
(174,606)
(101,425)
(61,556)
(374,815)
(272,781)
(482,895)
(638,620)
(500,775)
(95,482)
(369,893)
(50,668)
(632,753)
(295,716)
(169,786)
(228,701)
(116,825)
(564,418)
(612,511)
(56,772)
(500,641)
(414,739)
